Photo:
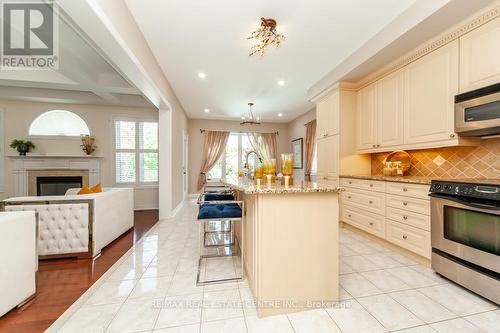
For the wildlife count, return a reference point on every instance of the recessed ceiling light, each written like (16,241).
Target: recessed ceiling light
(202,75)
(280,115)
(281,83)
(207,110)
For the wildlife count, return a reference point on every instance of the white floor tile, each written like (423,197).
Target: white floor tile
(222,305)
(126,272)
(429,273)
(91,319)
(411,277)
(151,288)
(389,312)
(248,302)
(458,325)
(401,258)
(235,325)
(457,299)
(111,292)
(180,310)
(135,316)
(344,267)
(358,286)
(385,281)
(184,284)
(360,263)
(180,329)
(273,324)
(343,294)
(382,260)
(418,329)
(422,306)
(487,321)
(317,321)
(351,317)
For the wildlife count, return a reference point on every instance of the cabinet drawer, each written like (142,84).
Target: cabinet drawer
(363,184)
(410,218)
(366,200)
(408,190)
(420,206)
(372,223)
(410,238)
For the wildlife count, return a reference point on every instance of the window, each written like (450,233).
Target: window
(136,152)
(58,123)
(238,145)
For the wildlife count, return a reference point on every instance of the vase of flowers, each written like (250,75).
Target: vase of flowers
(22,146)
(88,144)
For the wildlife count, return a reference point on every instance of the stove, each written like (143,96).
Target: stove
(465,233)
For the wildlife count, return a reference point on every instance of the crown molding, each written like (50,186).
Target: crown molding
(432,45)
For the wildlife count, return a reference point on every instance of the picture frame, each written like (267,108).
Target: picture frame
(298,156)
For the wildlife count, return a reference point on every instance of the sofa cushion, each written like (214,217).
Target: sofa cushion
(220,211)
(85,190)
(97,188)
(218,197)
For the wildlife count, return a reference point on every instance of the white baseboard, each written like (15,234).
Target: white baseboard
(177,209)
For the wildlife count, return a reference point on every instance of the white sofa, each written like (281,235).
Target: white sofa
(18,258)
(78,225)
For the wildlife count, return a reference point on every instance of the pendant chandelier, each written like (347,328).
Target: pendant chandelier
(250,119)
(265,36)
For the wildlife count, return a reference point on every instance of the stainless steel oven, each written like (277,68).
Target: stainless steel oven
(465,234)
(477,113)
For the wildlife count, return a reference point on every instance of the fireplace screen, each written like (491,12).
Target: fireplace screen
(57,185)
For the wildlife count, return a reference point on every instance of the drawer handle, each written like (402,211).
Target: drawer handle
(350,182)
(348,197)
(371,223)
(349,215)
(405,203)
(405,217)
(371,185)
(371,202)
(405,237)
(405,189)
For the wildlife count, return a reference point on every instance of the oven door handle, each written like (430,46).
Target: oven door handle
(465,202)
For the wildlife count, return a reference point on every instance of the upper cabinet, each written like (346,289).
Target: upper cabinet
(328,157)
(327,115)
(429,96)
(479,57)
(367,117)
(390,106)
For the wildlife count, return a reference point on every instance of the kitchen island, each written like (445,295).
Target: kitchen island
(290,245)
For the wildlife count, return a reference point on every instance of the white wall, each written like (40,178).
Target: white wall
(297,130)
(196,141)
(19,115)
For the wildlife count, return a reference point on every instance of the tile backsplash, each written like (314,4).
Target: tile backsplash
(482,161)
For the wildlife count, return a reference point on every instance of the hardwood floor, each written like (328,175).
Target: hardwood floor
(60,282)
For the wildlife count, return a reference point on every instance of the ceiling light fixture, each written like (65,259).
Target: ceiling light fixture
(266,35)
(202,75)
(280,115)
(207,110)
(250,120)
(281,83)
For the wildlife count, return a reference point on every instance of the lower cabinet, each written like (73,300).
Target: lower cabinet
(398,213)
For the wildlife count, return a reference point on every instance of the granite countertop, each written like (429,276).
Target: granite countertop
(401,179)
(249,187)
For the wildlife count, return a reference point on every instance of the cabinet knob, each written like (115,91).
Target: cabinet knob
(371,185)
(405,189)
(405,217)
(405,203)
(378,145)
(452,135)
(405,237)
(370,202)
(350,182)
(374,146)
(371,223)
(349,215)
(348,197)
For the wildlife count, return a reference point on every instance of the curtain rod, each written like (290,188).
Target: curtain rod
(309,122)
(233,131)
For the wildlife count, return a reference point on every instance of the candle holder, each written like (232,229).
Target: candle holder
(287,169)
(270,170)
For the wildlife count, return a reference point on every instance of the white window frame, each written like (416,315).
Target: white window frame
(137,151)
(223,157)
(58,137)
(2,152)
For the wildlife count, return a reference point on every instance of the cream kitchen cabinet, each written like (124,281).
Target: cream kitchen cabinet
(327,115)
(367,118)
(396,212)
(328,157)
(479,57)
(432,83)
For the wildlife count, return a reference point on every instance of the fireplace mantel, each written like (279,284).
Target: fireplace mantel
(22,165)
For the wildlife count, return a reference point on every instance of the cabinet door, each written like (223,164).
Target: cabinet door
(327,114)
(367,117)
(390,109)
(432,83)
(479,57)
(328,157)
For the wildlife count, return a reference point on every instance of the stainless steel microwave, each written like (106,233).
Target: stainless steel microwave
(477,113)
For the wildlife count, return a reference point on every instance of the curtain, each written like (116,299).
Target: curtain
(310,144)
(213,147)
(265,144)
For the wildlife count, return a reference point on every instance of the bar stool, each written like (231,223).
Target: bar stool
(218,212)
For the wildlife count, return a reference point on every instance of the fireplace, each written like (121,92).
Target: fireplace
(57,185)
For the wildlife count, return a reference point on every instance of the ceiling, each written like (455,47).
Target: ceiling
(191,36)
(83,77)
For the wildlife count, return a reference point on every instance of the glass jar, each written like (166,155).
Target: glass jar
(287,168)
(270,169)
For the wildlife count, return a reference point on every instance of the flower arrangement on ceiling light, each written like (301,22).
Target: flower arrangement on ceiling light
(266,35)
